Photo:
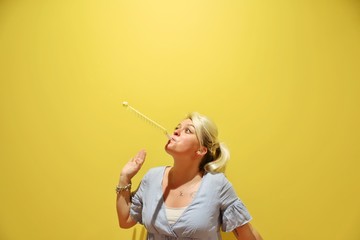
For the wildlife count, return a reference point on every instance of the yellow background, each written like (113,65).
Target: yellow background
(280,79)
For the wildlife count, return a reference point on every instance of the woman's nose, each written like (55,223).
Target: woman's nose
(177,132)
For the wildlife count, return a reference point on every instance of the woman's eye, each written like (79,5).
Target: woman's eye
(188,130)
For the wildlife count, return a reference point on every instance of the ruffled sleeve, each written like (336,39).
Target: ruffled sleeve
(136,206)
(145,199)
(233,211)
(234,216)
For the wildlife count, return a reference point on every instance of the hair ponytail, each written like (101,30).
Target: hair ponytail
(220,158)
(217,153)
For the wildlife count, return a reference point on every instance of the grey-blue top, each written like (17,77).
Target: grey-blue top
(215,205)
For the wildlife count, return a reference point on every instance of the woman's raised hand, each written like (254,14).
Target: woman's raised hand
(132,167)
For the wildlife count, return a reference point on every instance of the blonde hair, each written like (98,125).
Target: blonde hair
(217,154)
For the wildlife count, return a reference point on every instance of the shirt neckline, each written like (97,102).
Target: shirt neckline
(186,208)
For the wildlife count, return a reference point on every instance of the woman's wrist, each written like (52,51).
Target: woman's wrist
(124,184)
(124,180)
(120,189)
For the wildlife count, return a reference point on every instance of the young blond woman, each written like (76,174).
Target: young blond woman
(192,199)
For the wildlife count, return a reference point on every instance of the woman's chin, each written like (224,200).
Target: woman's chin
(169,149)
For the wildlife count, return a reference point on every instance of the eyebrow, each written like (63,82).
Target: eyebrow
(191,125)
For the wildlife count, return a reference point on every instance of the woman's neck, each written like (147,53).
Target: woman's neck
(181,174)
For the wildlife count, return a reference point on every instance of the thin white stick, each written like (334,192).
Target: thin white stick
(147,119)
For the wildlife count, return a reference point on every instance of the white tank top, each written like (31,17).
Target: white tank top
(173,214)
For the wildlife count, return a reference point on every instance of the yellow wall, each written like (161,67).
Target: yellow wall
(280,79)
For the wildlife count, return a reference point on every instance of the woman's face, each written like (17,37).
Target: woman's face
(183,140)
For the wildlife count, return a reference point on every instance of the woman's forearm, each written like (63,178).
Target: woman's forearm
(246,232)
(123,201)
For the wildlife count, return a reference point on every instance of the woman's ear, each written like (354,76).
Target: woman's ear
(202,151)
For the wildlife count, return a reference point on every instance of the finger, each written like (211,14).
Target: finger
(141,154)
(134,159)
(139,157)
(139,161)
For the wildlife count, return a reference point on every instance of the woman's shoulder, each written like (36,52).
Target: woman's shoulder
(155,172)
(217,177)
(219,182)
